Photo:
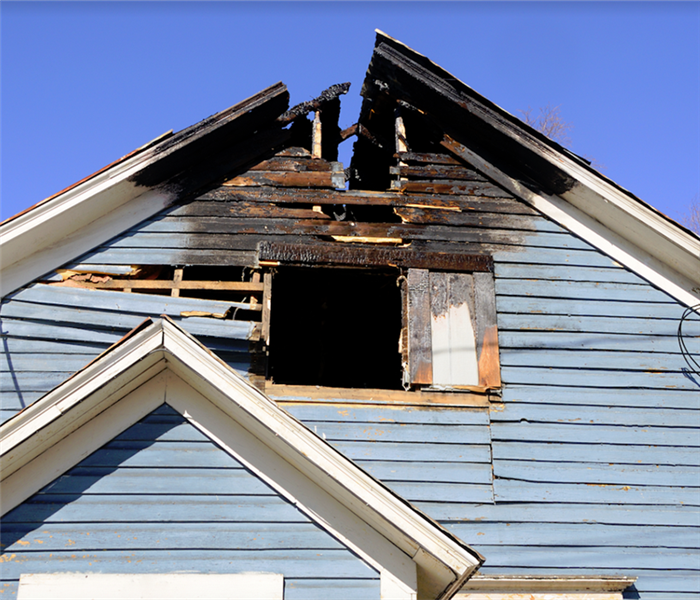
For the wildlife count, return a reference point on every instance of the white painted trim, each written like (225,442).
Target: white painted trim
(57,236)
(393,589)
(309,453)
(67,452)
(70,422)
(288,481)
(679,275)
(167,586)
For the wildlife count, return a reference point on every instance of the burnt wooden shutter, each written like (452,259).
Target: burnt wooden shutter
(451,339)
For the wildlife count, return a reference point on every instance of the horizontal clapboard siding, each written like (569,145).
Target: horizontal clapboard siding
(162,497)
(588,466)
(423,455)
(49,333)
(595,445)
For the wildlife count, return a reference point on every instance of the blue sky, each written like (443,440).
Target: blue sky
(84,83)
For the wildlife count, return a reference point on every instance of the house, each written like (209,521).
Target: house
(470,373)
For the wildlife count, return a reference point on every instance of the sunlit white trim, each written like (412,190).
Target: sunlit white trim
(170,586)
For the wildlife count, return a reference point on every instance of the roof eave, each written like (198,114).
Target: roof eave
(118,197)
(543,173)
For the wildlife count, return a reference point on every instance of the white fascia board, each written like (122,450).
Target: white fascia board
(81,218)
(90,391)
(622,214)
(678,275)
(546,583)
(76,444)
(318,460)
(74,231)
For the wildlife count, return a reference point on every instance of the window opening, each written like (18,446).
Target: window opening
(336,327)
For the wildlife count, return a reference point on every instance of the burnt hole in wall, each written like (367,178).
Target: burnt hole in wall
(335,328)
(362,213)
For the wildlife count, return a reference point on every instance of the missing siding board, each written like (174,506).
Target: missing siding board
(240,287)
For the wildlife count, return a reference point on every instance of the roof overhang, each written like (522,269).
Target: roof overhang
(138,186)
(160,363)
(539,171)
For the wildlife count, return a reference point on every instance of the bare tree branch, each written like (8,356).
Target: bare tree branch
(549,122)
(692,218)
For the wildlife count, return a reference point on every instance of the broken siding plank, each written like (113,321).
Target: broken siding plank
(427,157)
(593,359)
(175,256)
(596,434)
(596,473)
(584,340)
(596,414)
(476,203)
(597,378)
(579,290)
(594,452)
(490,240)
(670,399)
(241,209)
(125,321)
(112,301)
(432,171)
(508,490)
(446,186)
(169,224)
(287,179)
(573,535)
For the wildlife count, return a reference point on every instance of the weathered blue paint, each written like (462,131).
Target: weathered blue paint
(162,497)
(588,466)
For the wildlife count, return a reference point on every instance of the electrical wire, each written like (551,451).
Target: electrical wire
(687,355)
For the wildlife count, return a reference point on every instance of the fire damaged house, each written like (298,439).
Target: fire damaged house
(464,366)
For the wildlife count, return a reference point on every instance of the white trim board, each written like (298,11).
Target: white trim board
(170,586)
(678,275)
(163,364)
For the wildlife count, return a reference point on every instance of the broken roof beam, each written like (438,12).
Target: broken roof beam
(326,108)
(327,95)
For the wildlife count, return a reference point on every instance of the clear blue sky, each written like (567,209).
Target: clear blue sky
(84,83)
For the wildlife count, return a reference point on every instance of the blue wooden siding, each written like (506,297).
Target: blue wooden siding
(589,465)
(162,497)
